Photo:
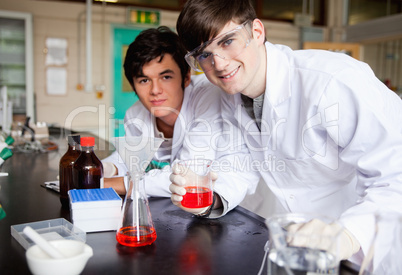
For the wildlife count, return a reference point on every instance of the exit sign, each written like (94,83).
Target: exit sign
(144,17)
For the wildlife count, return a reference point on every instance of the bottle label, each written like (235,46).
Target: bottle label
(102,185)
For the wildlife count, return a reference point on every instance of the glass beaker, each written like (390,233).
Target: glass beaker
(294,252)
(136,227)
(199,189)
(384,255)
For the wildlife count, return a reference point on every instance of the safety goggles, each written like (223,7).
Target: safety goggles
(225,46)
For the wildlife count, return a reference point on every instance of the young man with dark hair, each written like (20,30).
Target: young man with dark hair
(331,129)
(183,110)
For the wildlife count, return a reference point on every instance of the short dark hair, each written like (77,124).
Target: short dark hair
(150,44)
(200,20)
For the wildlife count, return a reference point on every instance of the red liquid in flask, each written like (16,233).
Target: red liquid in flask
(128,236)
(197,197)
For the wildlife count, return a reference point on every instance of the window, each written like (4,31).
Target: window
(285,10)
(364,10)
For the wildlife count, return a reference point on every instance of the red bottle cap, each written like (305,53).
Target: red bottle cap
(87,141)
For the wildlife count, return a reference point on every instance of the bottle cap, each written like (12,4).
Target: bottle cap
(9,140)
(6,153)
(87,141)
(73,139)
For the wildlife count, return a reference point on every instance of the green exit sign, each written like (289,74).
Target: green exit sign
(146,17)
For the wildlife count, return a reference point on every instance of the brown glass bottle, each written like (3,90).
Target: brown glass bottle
(66,168)
(88,169)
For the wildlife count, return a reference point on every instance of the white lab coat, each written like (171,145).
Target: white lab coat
(197,134)
(331,137)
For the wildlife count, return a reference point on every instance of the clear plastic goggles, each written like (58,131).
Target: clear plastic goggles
(225,46)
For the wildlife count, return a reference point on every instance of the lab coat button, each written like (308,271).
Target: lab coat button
(292,197)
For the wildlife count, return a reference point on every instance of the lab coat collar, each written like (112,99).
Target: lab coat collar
(277,90)
(249,126)
(180,124)
(277,87)
(179,135)
(149,124)
(276,100)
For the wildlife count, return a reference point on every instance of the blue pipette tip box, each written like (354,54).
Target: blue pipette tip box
(94,195)
(95,210)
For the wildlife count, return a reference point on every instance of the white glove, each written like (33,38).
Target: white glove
(179,177)
(109,170)
(346,245)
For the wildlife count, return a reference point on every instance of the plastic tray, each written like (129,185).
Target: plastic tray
(55,229)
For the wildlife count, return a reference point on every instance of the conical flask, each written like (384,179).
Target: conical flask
(136,227)
(136,152)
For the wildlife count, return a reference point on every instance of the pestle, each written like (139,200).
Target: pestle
(47,247)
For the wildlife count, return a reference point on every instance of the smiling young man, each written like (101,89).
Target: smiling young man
(330,130)
(183,110)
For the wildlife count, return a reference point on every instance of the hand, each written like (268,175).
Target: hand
(179,177)
(346,246)
(109,170)
(117,183)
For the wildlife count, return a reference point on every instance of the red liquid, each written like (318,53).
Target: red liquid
(87,169)
(128,236)
(197,197)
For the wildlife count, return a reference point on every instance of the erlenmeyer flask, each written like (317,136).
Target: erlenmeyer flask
(136,227)
(137,152)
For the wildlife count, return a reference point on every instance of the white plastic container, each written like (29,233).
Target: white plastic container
(94,210)
(55,229)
